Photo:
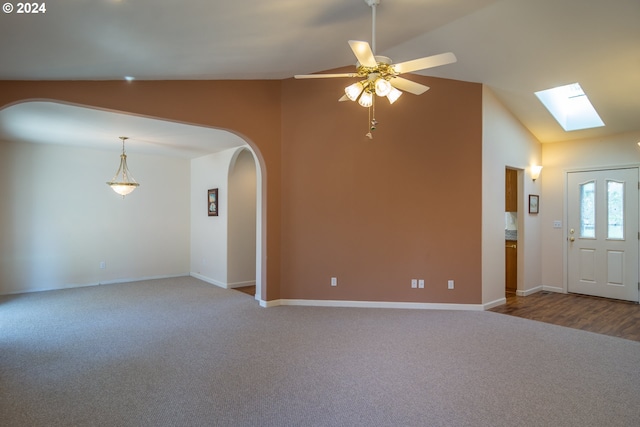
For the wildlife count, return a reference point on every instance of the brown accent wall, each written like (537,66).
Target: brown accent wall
(378,213)
(374,213)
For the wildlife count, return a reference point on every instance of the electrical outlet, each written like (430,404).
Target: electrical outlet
(103,265)
(334,281)
(414,283)
(450,284)
(557,224)
(421,283)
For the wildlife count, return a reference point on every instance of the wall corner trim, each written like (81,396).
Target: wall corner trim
(528,292)
(556,289)
(267,304)
(209,280)
(492,304)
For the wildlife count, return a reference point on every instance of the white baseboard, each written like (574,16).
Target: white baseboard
(492,304)
(241,284)
(373,304)
(267,304)
(209,280)
(223,284)
(527,292)
(140,279)
(553,289)
(50,288)
(84,285)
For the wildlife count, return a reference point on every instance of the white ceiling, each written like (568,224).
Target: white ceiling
(54,123)
(516,47)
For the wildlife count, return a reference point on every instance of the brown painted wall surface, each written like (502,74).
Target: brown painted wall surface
(378,213)
(374,213)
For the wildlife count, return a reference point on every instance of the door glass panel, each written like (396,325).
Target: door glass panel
(615,210)
(588,210)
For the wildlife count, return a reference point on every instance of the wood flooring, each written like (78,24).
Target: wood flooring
(250,290)
(600,315)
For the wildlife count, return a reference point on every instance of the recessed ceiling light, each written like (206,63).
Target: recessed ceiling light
(129,78)
(570,106)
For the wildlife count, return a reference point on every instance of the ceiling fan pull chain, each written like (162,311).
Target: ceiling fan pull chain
(369,134)
(373,122)
(372,119)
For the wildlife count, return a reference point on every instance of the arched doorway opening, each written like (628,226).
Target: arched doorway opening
(84,139)
(242,221)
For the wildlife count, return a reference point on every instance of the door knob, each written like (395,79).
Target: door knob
(572,239)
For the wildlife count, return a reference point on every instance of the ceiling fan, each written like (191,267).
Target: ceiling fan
(379,75)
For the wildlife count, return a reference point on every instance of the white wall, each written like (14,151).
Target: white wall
(241,248)
(209,233)
(558,158)
(506,143)
(59,219)
(211,236)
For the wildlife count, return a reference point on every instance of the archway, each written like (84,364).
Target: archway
(241,222)
(84,125)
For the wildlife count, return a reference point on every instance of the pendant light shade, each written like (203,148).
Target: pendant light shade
(393,95)
(122,182)
(383,87)
(354,91)
(366,99)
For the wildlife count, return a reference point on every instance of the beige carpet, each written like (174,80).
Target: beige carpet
(180,352)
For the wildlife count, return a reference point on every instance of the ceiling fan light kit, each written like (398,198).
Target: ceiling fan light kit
(353,91)
(379,76)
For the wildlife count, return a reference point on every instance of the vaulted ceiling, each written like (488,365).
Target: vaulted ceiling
(516,47)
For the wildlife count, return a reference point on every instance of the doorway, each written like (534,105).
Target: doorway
(511,231)
(241,221)
(602,243)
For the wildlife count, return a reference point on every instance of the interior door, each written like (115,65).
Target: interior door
(603,233)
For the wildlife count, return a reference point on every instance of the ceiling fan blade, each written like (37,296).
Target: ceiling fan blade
(324,76)
(408,86)
(424,63)
(344,98)
(363,53)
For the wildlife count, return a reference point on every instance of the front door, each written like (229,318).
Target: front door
(603,233)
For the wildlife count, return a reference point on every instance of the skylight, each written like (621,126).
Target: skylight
(570,106)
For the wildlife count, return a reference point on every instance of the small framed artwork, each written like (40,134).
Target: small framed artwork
(212,202)
(534,203)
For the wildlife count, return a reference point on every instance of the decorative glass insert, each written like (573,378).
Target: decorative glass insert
(615,210)
(588,210)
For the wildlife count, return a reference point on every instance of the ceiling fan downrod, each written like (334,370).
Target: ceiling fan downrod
(372,120)
(373,4)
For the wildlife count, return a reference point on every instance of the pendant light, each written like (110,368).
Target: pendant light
(123,183)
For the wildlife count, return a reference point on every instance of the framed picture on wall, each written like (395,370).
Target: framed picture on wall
(534,205)
(212,202)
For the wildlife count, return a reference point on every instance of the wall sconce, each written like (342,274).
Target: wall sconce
(535,172)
